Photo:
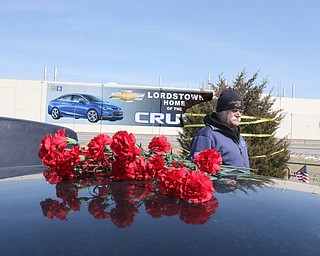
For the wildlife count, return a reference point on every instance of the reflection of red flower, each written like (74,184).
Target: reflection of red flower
(104,191)
(212,205)
(141,190)
(198,213)
(119,202)
(194,214)
(162,205)
(96,208)
(51,176)
(198,187)
(159,145)
(68,192)
(52,208)
(124,194)
(208,161)
(124,145)
(123,216)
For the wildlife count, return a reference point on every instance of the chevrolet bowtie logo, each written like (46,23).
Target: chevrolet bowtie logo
(126,96)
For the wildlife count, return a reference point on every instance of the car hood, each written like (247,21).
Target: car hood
(256,216)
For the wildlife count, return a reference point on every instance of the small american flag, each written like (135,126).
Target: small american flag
(302,174)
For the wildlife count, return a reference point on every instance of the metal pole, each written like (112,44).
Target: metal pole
(55,74)
(45,73)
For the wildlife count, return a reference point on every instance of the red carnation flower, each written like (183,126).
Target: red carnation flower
(171,181)
(63,162)
(153,166)
(160,145)
(197,188)
(177,164)
(96,147)
(124,145)
(45,146)
(59,140)
(208,161)
(49,143)
(138,166)
(124,170)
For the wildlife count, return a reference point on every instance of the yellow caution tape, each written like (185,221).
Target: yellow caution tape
(262,118)
(259,121)
(262,156)
(186,138)
(191,114)
(243,134)
(272,154)
(256,119)
(201,125)
(194,125)
(258,135)
(247,135)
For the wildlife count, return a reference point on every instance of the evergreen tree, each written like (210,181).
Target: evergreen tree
(268,154)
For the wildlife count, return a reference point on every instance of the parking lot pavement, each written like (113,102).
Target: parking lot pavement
(293,185)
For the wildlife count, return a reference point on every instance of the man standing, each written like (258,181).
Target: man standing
(222,131)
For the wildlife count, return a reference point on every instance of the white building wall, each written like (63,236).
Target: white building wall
(26,99)
(21,99)
(302,120)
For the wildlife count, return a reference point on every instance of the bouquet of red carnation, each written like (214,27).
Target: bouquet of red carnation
(119,158)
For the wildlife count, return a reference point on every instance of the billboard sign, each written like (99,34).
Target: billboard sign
(120,105)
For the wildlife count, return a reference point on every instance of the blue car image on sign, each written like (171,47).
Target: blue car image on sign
(86,106)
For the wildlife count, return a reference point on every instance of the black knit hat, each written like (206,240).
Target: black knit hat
(229,99)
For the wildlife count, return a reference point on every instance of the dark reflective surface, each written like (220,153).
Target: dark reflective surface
(127,218)
(120,202)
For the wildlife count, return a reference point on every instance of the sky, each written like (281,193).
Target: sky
(172,43)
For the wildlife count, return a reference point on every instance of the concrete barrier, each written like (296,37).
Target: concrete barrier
(20,140)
